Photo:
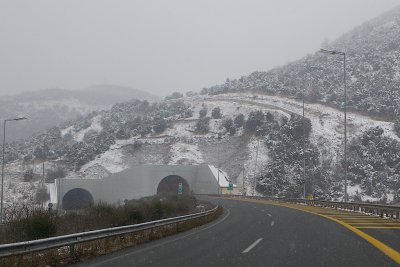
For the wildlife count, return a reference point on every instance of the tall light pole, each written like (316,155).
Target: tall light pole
(304,149)
(2,166)
(333,52)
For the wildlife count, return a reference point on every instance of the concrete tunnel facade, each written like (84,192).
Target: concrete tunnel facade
(136,182)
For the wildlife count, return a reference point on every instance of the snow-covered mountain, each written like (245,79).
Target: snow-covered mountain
(50,107)
(373,71)
(251,127)
(267,140)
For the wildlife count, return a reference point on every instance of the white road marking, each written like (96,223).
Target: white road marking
(162,243)
(269,215)
(272,223)
(252,245)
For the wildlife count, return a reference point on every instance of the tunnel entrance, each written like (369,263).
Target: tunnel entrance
(170,184)
(77,198)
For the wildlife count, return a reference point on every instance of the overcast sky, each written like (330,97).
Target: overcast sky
(163,46)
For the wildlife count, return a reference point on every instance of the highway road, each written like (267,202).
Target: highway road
(254,234)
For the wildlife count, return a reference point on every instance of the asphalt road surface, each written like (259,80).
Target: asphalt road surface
(251,234)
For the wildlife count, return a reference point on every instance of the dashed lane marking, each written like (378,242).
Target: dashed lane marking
(331,215)
(252,245)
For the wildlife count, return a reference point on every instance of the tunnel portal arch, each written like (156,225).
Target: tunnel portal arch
(77,198)
(170,183)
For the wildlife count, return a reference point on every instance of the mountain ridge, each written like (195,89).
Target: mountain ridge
(50,107)
(373,71)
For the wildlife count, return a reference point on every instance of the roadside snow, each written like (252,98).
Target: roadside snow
(78,135)
(257,160)
(327,123)
(182,153)
(223,177)
(111,160)
(95,126)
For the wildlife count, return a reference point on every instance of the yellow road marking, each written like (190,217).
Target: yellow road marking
(361,218)
(387,223)
(390,252)
(377,227)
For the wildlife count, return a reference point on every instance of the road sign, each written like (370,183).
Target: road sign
(180,188)
(230,187)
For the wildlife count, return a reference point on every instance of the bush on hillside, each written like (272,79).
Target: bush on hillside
(216,113)
(203,125)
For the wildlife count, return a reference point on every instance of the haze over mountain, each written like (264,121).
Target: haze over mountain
(50,107)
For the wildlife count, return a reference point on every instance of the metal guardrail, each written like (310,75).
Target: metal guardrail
(26,247)
(388,211)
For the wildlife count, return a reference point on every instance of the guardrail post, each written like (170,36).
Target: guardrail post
(72,251)
(20,260)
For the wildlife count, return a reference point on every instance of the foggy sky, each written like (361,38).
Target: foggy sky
(166,45)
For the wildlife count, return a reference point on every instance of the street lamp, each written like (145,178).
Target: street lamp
(304,149)
(333,52)
(2,166)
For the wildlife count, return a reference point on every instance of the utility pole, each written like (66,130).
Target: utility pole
(255,168)
(243,193)
(219,187)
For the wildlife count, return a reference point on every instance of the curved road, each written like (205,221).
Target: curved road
(251,234)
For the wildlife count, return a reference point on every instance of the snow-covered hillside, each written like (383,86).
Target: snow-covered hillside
(51,107)
(250,127)
(373,74)
(180,143)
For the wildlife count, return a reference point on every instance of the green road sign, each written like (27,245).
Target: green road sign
(180,188)
(230,187)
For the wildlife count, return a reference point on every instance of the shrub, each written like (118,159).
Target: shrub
(59,172)
(239,120)
(188,113)
(255,119)
(137,144)
(397,127)
(174,95)
(229,126)
(41,224)
(42,195)
(159,125)
(203,125)
(28,175)
(203,113)
(216,113)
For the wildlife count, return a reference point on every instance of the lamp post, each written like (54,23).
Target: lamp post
(333,52)
(304,150)
(2,166)
(218,165)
